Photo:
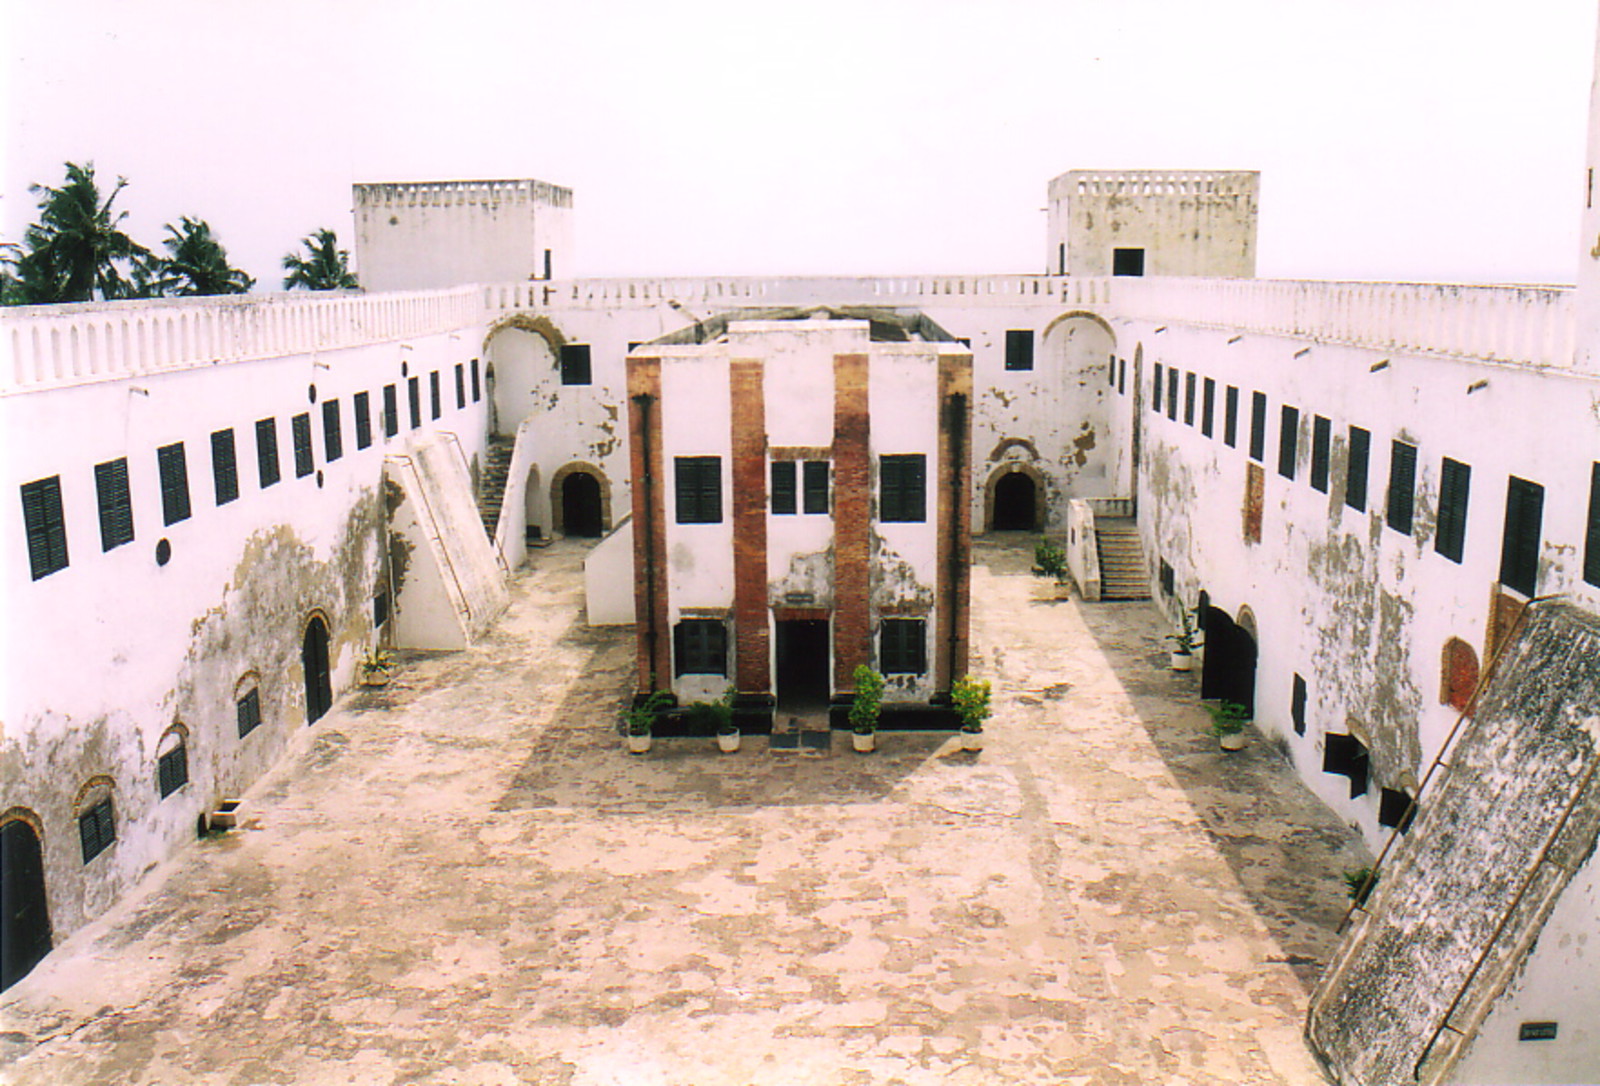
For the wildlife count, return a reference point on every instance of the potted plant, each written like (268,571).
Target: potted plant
(638,718)
(1184,642)
(1228,719)
(377,667)
(727,730)
(864,709)
(971,698)
(1050,560)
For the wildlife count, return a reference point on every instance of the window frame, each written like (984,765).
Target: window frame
(269,469)
(1357,468)
(1520,549)
(1321,452)
(305,458)
(903,488)
(247,711)
(1019,349)
(903,646)
(361,407)
(577,365)
(697,489)
(785,490)
(1288,440)
(97,828)
(1455,493)
(114,500)
(224,467)
(1400,505)
(172,465)
(1258,427)
(700,647)
(815,488)
(45,525)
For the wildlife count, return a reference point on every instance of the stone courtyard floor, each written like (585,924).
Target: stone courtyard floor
(463,879)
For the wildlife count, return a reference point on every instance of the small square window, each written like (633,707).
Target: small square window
(700,647)
(1127,261)
(903,646)
(575,367)
(1346,755)
(1395,809)
(1019,349)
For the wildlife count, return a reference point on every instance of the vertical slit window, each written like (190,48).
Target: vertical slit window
(1450,534)
(1122,377)
(1297,705)
(1402,485)
(267,470)
(815,475)
(1519,548)
(1156,388)
(1019,349)
(1111,371)
(1208,407)
(1288,440)
(1355,476)
(1591,538)
(461,386)
(477,388)
(116,505)
(46,526)
(1321,443)
(1188,399)
(174,470)
(300,431)
(1230,418)
(363,410)
(332,436)
(433,395)
(1172,394)
(414,400)
(1258,426)
(783,487)
(902,480)
(224,467)
(391,411)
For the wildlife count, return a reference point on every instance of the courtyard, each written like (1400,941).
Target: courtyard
(463,879)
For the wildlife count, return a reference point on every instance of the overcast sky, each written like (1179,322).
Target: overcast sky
(1397,139)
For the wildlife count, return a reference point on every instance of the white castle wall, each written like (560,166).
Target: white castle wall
(1187,222)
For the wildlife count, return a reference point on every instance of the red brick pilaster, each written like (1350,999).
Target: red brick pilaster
(852,520)
(954,504)
(752,642)
(649,525)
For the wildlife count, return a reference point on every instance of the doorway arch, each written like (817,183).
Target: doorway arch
(1229,671)
(314,661)
(1016,503)
(580,505)
(24,911)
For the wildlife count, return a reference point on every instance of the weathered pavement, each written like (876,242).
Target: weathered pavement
(463,879)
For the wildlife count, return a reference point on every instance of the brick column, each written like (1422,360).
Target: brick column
(954,505)
(752,640)
(852,520)
(649,525)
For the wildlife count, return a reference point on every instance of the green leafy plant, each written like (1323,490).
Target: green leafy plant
(971,697)
(1357,885)
(379,660)
(1049,560)
(638,718)
(868,702)
(1228,718)
(1187,639)
(715,716)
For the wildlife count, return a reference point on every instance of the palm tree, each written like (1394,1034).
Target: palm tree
(76,250)
(324,267)
(196,263)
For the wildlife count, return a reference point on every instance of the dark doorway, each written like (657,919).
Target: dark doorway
(802,652)
(1016,503)
(314,659)
(1127,262)
(1229,673)
(24,917)
(580,505)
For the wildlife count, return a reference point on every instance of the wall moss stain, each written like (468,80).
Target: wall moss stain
(895,584)
(1083,444)
(808,574)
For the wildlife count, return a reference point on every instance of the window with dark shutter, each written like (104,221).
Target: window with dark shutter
(1258,426)
(903,646)
(304,460)
(172,770)
(1591,538)
(174,470)
(267,470)
(1111,371)
(332,437)
(434,405)
(414,400)
(380,610)
(1188,399)
(1169,579)
(1355,481)
(1297,705)
(1288,440)
(1230,418)
(1156,388)
(1127,261)
(477,388)
(1402,486)
(575,364)
(224,467)
(1321,445)
(46,526)
(1019,349)
(1450,534)
(1208,406)
(247,711)
(700,647)
(816,486)
(903,484)
(699,489)
(116,506)
(97,829)
(461,386)
(391,411)
(1519,547)
(1395,809)
(783,487)
(1347,756)
(1172,393)
(363,412)
(1122,377)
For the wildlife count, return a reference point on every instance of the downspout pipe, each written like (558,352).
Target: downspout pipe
(643,401)
(958,459)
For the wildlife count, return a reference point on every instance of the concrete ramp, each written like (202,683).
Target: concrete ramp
(449,585)
(1504,826)
(608,578)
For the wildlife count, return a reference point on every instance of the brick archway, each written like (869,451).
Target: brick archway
(1008,468)
(558,524)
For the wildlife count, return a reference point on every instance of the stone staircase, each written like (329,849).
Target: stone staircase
(1123,573)
(492,485)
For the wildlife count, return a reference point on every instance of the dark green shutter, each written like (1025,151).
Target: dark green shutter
(1402,485)
(174,470)
(1355,483)
(783,487)
(816,486)
(116,505)
(46,526)
(1519,548)
(224,467)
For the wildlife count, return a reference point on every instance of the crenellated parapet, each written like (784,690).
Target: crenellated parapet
(458,193)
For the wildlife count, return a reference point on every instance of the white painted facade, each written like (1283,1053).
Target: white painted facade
(1178,222)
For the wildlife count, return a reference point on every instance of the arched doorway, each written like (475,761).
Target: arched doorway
(314,659)
(24,915)
(580,505)
(1229,673)
(1016,503)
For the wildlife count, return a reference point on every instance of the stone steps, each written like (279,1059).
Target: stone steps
(1123,572)
(492,484)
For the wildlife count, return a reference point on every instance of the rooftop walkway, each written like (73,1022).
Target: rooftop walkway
(463,879)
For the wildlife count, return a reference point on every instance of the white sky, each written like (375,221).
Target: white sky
(1397,139)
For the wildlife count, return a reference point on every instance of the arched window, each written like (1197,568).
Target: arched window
(97,822)
(1458,675)
(172,760)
